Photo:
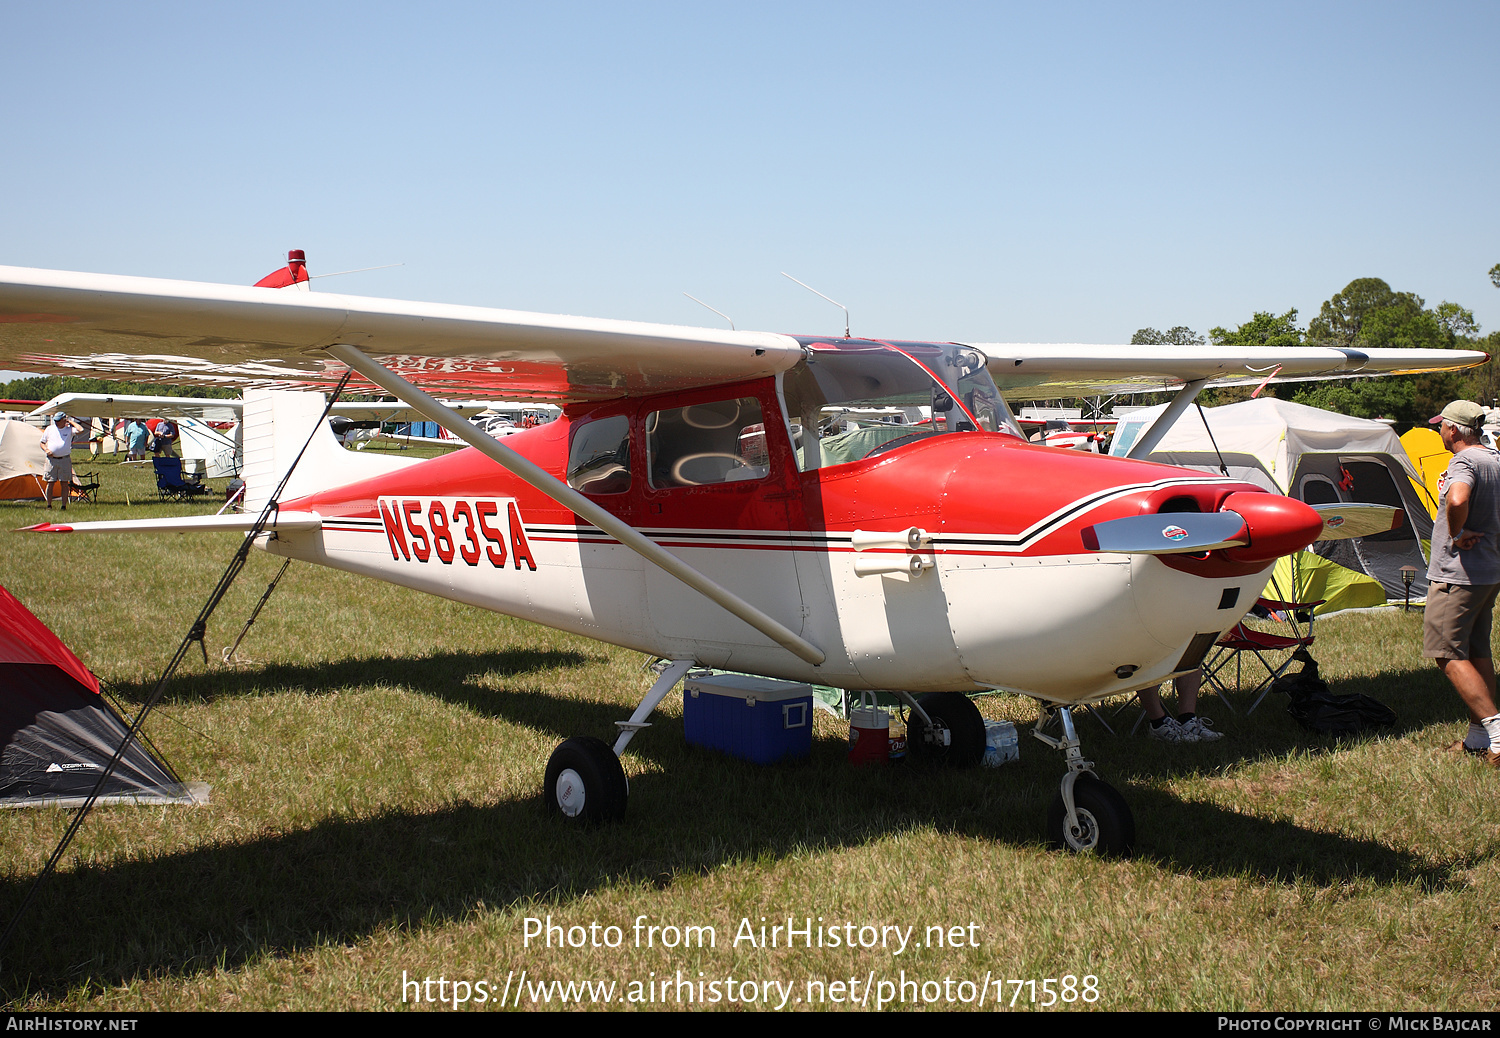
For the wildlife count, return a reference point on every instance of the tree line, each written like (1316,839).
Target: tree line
(45,387)
(1367,314)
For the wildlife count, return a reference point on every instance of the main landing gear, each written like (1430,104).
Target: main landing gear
(1087,814)
(584,779)
(945,727)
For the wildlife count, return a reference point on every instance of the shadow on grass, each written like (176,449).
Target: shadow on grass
(342,879)
(451,676)
(1420,699)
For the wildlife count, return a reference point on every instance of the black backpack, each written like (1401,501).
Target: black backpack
(1318,709)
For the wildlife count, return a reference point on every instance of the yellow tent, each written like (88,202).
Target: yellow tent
(1317,579)
(1430,458)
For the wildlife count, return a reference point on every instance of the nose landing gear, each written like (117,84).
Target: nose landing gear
(1088,814)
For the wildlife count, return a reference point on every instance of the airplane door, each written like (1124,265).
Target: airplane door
(718,484)
(610,580)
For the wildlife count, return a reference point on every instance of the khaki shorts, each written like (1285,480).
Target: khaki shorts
(58,470)
(1457,626)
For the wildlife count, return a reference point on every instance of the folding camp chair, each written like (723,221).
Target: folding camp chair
(1296,615)
(1273,652)
(85,485)
(170,481)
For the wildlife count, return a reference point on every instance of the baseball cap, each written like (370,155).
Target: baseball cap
(1461,412)
(59,417)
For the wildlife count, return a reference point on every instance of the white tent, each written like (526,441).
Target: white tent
(22,462)
(1315,456)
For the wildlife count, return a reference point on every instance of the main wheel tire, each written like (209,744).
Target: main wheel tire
(1106,824)
(956,714)
(585,782)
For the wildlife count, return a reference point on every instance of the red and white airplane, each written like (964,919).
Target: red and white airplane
(1073,433)
(705,499)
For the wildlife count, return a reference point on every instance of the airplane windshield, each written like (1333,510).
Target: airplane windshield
(856,400)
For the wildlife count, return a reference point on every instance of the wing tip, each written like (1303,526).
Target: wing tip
(46,528)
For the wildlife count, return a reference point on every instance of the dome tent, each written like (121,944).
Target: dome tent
(22,462)
(58,734)
(1316,456)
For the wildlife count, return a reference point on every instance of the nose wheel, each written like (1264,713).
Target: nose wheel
(1088,815)
(1102,822)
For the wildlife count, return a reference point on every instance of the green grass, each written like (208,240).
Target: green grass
(376,809)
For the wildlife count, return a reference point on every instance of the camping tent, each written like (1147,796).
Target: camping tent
(22,462)
(57,733)
(1430,458)
(1315,456)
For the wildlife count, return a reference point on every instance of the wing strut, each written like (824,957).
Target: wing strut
(1152,436)
(566,496)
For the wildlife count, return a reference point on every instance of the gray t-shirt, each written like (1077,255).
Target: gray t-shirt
(1479,467)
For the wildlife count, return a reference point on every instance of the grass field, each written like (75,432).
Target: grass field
(376,815)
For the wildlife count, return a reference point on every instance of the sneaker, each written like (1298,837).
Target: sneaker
(1458,748)
(1201,730)
(1169,731)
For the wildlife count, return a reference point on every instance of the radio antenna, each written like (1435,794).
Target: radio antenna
(361,270)
(835,302)
(721,313)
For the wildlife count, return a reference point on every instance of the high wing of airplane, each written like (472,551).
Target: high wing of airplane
(211,409)
(696,502)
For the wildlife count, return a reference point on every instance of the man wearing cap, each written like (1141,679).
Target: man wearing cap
(57,442)
(1465,575)
(165,439)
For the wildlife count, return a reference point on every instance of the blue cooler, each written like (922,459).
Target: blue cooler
(755,719)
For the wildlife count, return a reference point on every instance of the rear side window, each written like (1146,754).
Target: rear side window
(721,441)
(599,460)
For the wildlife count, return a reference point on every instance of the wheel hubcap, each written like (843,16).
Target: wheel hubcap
(1086,836)
(570,793)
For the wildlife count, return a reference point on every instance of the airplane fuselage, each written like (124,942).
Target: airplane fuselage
(1003,593)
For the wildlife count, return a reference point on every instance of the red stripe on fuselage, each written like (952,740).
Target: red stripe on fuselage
(975,484)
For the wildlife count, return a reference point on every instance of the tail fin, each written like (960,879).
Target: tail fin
(293,275)
(275,425)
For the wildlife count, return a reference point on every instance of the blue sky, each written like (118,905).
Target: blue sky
(991,172)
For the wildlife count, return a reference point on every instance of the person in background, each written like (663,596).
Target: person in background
(136,435)
(1187,726)
(1464,576)
(166,439)
(57,443)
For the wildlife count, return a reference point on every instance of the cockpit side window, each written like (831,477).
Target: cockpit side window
(599,459)
(719,441)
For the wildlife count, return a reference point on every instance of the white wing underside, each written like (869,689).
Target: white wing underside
(146,329)
(207,409)
(1044,370)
